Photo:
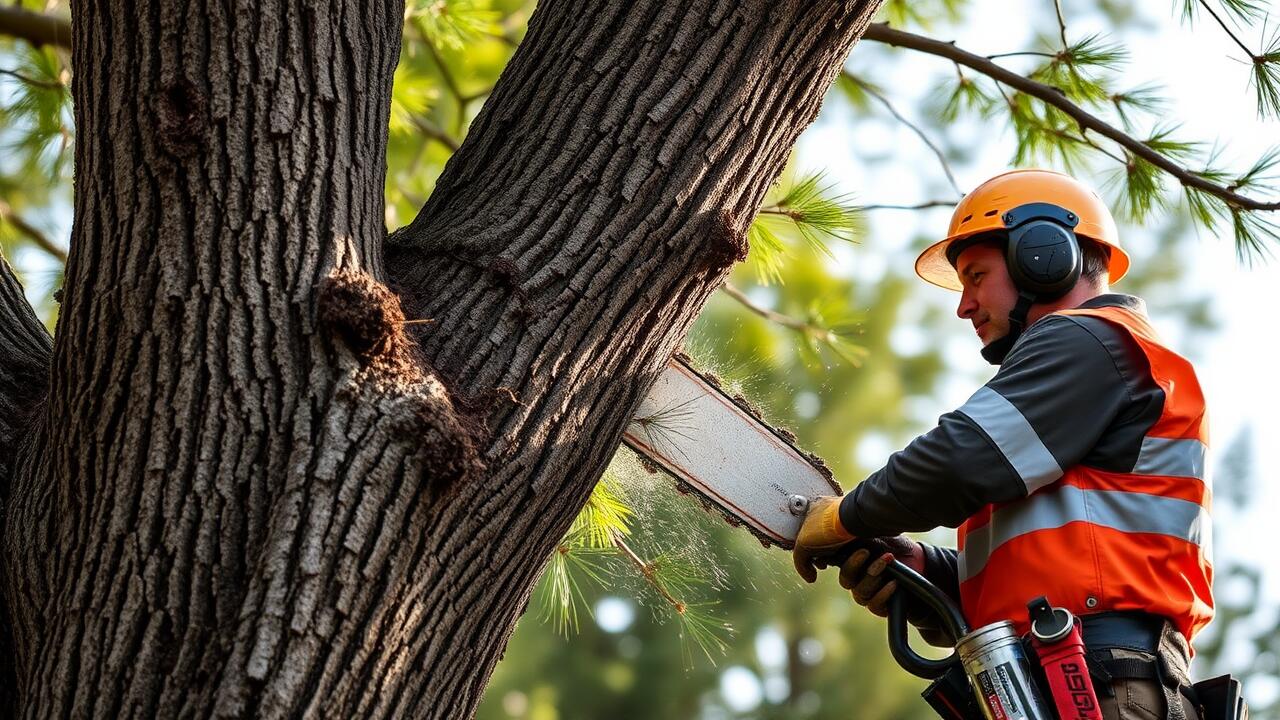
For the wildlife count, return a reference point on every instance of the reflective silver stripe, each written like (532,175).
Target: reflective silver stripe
(1171,458)
(1015,437)
(1125,511)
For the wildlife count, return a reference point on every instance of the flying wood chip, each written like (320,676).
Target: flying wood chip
(721,449)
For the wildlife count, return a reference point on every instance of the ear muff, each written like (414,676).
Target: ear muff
(1043,254)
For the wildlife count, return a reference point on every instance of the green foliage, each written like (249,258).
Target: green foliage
(1078,70)
(965,95)
(813,210)
(926,14)
(454,23)
(38,115)
(605,516)
(561,586)
(1243,11)
(412,96)
(1145,99)
(1265,78)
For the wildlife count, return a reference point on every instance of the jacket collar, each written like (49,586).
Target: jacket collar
(1120,300)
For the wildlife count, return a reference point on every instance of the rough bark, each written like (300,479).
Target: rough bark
(249,492)
(25,349)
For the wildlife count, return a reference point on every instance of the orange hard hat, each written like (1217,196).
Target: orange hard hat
(982,210)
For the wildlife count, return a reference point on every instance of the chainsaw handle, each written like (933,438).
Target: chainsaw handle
(900,641)
(931,595)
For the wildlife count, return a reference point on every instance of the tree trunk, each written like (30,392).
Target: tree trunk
(244,489)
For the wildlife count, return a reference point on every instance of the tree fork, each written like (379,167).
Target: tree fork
(249,493)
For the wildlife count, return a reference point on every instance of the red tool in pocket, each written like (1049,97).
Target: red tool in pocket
(1055,635)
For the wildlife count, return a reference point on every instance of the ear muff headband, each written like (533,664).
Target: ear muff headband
(1042,253)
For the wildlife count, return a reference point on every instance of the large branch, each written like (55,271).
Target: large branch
(25,350)
(881,32)
(36,28)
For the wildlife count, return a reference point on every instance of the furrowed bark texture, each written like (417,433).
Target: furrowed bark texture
(211,521)
(248,493)
(25,351)
(600,197)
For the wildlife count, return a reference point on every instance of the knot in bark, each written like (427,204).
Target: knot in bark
(366,317)
(181,117)
(726,243)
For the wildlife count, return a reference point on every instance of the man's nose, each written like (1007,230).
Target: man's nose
(968,305)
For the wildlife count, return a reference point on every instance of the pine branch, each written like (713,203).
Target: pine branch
(812,334)
(44,84)
(879,32)
(928,204)
(647,572)
(1249,53)
(36,28)
(942,158)
(778,318)
(32,233)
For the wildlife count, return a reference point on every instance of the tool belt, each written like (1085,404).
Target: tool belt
(1217,699)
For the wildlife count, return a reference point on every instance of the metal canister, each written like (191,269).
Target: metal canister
(998,669)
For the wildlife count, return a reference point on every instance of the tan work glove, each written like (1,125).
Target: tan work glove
(863,574)
(821,534)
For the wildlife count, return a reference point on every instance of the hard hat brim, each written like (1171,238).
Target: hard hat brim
(934,268)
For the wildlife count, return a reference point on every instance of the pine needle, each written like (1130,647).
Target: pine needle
(1264,75)
(812,210)
(1254,234)
(1075,70)
(452,24)
(1147,99)
(562,581)
(706,631)
(966,95)
(40,113)
(605,514)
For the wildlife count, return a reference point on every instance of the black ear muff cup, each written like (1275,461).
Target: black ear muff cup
(1043,253)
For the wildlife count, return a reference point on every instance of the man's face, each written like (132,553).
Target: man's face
(989,294)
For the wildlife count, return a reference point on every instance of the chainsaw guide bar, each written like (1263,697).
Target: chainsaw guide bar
(719,448)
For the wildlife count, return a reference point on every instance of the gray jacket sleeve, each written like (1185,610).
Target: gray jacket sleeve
(1044,410)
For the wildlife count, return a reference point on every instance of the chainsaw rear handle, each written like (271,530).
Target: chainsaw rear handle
(931,595)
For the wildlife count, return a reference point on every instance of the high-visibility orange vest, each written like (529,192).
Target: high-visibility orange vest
(1096,541)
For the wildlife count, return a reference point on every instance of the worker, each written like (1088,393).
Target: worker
(1077,472)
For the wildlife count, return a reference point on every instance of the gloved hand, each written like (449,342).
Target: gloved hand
(863,573)
(820,534)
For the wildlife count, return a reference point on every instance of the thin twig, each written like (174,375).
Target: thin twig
(33,233)
(1230,34)
(922,206)
(646,570)
(784,320)
(946,166)
(46,84)
(880,32)
(1021,53)
(1062,23)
